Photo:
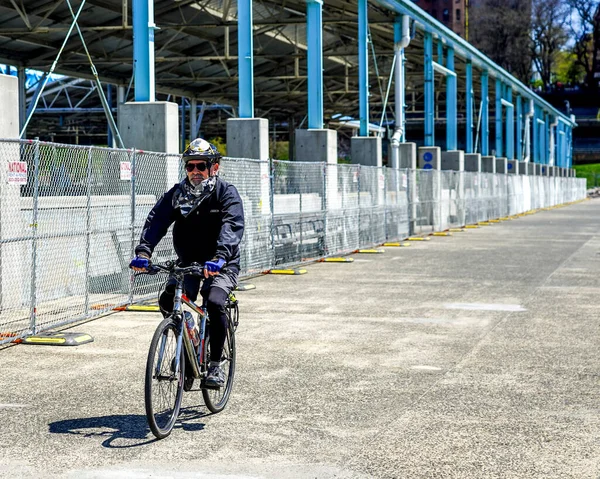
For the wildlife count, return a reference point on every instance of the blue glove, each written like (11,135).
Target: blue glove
(139,262)
(214,266)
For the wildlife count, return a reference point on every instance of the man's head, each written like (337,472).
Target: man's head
(201,160)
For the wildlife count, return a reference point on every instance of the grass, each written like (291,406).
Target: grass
(590,172)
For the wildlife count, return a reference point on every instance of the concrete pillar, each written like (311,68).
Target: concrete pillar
(519,167)
(249,138)
(530,169)
(429,193)
(429,158)
(501,165)
(408,156)
(316,145)
(13,225)
(366,150)
(473,162)
(153,126)
(488,164)
(453,160)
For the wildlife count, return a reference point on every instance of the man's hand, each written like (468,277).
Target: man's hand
(212,268)
(140,263)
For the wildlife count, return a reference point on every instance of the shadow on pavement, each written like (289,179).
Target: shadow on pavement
(125,430)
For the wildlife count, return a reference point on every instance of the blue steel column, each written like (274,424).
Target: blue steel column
(519,142)
(440,52)
(314,31)
(143,49)
(499,148)
(363,68)
(510,126)
(569,148)
(451,130)
(469,139)
(547,129)
(429,100)
(245,59)
(485,115)
(535,139)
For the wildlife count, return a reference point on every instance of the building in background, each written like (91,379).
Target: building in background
(450,12)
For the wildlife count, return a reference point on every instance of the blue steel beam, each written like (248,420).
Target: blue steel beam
(535,139)
(429,93)
(363,68)
(519,142)
(466,50)
(499,149)
(470,94)
(314,33)
(451,87)
(143,49)
(485,114)
(510,126)
(245,59)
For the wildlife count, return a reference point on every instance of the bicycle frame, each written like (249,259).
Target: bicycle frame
(183,339)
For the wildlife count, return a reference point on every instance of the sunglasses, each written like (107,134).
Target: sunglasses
(198,166)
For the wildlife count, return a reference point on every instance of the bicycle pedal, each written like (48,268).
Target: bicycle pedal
(203,385)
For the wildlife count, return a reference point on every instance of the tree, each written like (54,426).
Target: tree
(584,26)
(548,35)
(500,29)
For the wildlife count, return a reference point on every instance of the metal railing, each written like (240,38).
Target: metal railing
(70,217)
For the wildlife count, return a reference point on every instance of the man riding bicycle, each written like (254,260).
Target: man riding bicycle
(209,225)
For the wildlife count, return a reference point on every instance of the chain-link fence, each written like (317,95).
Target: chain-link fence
(70,217)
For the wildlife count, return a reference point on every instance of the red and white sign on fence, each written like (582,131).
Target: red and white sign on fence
(126,170)
(17,173)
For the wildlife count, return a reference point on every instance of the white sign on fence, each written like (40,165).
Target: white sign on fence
(126,170)
(17,173)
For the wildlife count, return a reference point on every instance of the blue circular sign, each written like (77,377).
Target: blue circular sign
(428,156)
(510,166)
(428,166)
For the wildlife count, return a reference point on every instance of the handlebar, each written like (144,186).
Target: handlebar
(170,267)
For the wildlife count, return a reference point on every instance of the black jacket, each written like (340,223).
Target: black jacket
(213,230)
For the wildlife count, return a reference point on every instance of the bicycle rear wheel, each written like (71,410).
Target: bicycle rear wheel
(164,387)
(216,399)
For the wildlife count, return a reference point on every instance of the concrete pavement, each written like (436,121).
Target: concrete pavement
(474,355)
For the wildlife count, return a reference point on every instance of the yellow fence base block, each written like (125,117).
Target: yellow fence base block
(419,238)
(494,221)
(471,227)
(287,271)
(245,287)
(441,233)
(371,251)
(456,230)
(399,244)
(484,223)
(338,260)
(58,339)
(505,218)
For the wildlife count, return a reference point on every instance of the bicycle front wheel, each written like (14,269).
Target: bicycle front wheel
(216,399)
(164,384)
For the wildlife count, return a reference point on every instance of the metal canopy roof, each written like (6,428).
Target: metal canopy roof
(196,57)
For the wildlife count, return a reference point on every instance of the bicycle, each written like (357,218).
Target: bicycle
(180,354)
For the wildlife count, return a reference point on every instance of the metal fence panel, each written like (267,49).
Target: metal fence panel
(71,216)
(298,212)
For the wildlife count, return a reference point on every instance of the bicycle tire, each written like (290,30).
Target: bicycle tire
(162,421)
(216,399)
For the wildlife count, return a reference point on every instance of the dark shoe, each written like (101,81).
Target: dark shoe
(215,378)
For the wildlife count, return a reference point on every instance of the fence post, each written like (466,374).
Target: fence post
(272,200)
(88,222)
(358,204)
(34,226)
(324,202)
(132,248)
(300,215)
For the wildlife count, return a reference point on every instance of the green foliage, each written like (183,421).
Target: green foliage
(220,144)
(279,150)
(590,172)
(567,70)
